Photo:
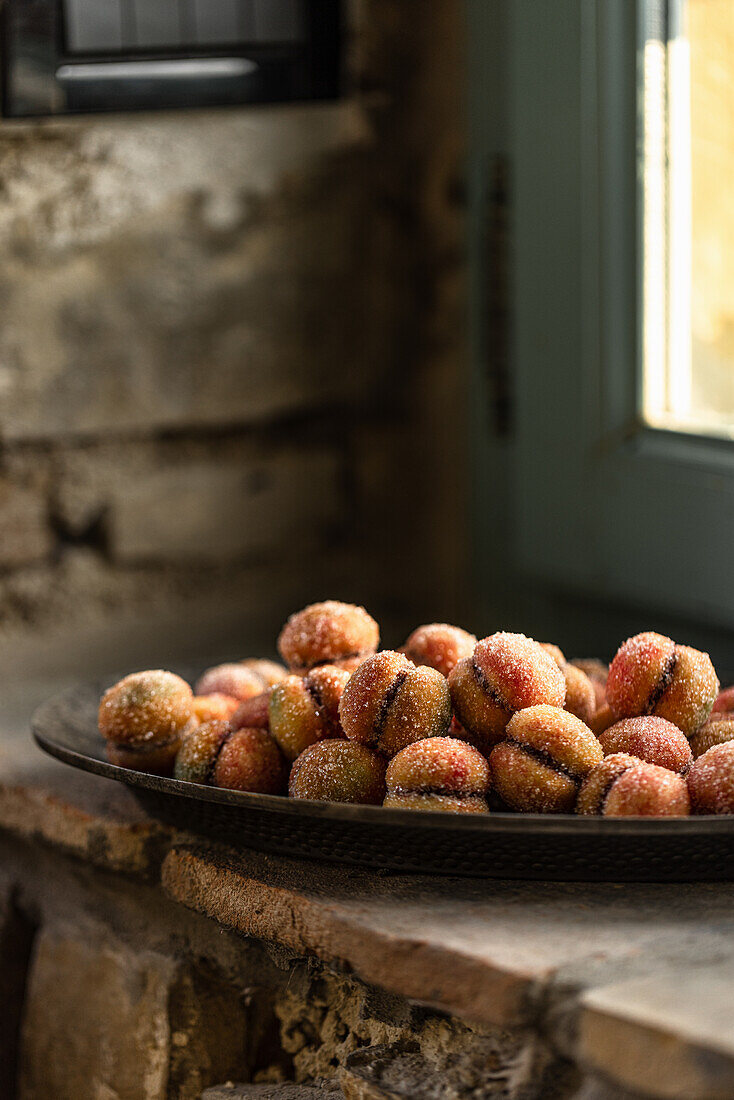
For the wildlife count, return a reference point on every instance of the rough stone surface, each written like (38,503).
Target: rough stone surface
(102,1020)
(201,510)
(273,1092)
(220,500)
(95,1020)
(334,1024)
(669,1035)
(285,277)
(482,1068)
(366,925)
(26,536)
(143,286)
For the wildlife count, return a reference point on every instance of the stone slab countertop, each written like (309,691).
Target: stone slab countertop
(634,981)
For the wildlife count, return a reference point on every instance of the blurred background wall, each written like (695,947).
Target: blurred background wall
(232,350)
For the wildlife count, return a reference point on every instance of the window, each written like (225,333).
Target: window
(689,216)
(621,124)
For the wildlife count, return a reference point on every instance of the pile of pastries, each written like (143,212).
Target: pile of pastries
(447,723)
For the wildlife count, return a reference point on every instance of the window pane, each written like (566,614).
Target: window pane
(688,237)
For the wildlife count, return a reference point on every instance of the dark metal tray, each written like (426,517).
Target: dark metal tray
(498,845)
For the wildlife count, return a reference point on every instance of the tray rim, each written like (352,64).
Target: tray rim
(530,825)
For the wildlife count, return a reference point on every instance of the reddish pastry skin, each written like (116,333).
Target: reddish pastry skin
(208,708)
(651,739)
(252,712)
(623,786)
(143,718)
(719,730)
(544,759)
(580,695)
(598,783)
(505,674)
(388,703)
(304,710)
(233,679)
(198,753)
(439,646)
(328,633)
(338,771)
(249,760)
(724,701)
(267,672)
(650,674)
(711,781)
(438,773)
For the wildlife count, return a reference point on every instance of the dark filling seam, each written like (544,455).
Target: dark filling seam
(341,657)
(487,688)
(664,682)
(604,795)
(315,693)
(215,758)
(442,791)
(545,758)
(387,702)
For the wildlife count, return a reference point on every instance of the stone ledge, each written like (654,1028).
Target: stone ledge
(85,815)
(669,1035)
(133,847)
(384,942)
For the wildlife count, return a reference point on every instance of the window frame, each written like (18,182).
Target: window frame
(605,504)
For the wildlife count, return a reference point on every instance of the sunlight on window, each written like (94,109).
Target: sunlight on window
(688,235)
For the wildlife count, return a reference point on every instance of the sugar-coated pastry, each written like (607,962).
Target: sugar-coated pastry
(267,672)
(438,773)
(338,771)
(597,671)
(233,679)
(305,709)
(580,695)
(253,712)
(389,702)
(545,757)
(249,760)
(199,750)
(623,786)
(207,708)
(724,703)
(439,646)
(649,738)
(601,720)
(717,731)
(650,674)
(328,633)
(143,718)
(711,781)
(506,673)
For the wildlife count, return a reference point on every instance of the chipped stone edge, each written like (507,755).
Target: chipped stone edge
(136,848)
(440,978)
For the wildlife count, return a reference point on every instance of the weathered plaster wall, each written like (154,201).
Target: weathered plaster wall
(231,348)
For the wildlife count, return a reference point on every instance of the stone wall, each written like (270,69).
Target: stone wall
(231,351)
(113,992)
